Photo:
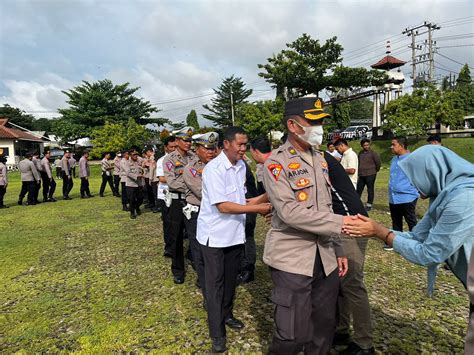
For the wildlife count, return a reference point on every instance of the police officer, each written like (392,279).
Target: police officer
(123,179)
(134,174)
(303,247)
(106,169)
(66,175)
(84,174)
(3,180)
(206,145)
(49,185)
(149,166)
(117,160)
(173,166)
(39,167)
(29,179)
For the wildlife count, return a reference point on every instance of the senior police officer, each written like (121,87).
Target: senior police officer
(206,147)
(29,179)
(49,185)
(173,166)
(303,247)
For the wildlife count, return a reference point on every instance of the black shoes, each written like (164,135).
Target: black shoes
(341,339)
(246,277)
(20,203)
(139,212)
(178,280)
(52,199)
(167,254)
(354,349)
(67,198)
(133,215)
(101,195)
(3,206)
(219,345)
(234,323)
(124,208)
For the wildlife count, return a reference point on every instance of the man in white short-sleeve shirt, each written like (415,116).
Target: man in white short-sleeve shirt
(221,232)
(349,160)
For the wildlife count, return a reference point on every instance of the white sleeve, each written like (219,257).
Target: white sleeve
(159,167)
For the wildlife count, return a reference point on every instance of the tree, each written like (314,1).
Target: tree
(465,90)
(42,124)
(307,67)
(341,114)
(261,117)
(113,137)
(414,114)
(192,120)
(17,116)
(93,104)
(221,104)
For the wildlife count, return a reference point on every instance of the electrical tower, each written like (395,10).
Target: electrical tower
(427,56)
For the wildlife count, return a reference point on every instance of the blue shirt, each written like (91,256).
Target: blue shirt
(400,189)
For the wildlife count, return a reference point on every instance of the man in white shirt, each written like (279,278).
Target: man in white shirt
(170,146)
(349,160)
(332,150)
(221,232)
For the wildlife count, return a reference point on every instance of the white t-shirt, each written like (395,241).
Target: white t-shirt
(160,172)
(350,160)
(335,154)
(221,182)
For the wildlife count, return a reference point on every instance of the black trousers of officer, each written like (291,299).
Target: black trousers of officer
(368,181)
(135,198)
(221,267)
(37,190)
(124,193)
(67,184)
(166,225)
(59,173)
(305,311)
(154,188)
(191,227)
(30,188)
(49,186)
(403,210)
(3,191)
(176,234)
(117,184)
(249,256)
(85,191)
(106,179)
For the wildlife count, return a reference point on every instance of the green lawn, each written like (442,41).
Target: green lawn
(81,276)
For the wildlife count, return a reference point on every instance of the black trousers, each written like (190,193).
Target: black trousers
(124,193)
(403,210)
(191,227)
(58,173)
(249,256)
(154,188)
(85,191)
(221,267)
(49,186)
(305,311)
(30,188)
(67,184)
(368,181)
(3,191)
(106,179)
(135,198)
(149,193)
(166,225)
(37,190)
(176,234)
(117,184)
(73,171)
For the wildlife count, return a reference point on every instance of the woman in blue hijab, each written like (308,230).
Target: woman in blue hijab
(446,232)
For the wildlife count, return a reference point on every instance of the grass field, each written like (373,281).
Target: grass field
(82,276)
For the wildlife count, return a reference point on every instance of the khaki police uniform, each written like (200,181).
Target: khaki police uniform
(302,244)
(154,181)
(133,184)
(84,174)
(49,185)
(67,177)
(192,176)
(3,183)
(173,166)
(107,169)
(117,160)
(29,179)
(123,179)
(39,168)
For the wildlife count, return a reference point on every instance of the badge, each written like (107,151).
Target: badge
(302,182)
(193,172)
(294,166)
(292,150)
(324,164)
(169,165)
(178,163)
(302,196)
(275,170)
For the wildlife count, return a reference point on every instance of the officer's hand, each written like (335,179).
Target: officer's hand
(252,201)
(264,208)
(343,266)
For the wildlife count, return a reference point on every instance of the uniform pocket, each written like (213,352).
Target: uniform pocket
(303,189)
(284,313)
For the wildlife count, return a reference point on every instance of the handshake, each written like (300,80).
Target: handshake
(361,226)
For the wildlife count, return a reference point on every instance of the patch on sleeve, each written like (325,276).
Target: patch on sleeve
(275,170)
(193,172)
(169,165)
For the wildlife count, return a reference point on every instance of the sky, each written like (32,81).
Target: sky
(178,51)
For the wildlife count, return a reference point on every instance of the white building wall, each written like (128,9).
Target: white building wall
(9,143)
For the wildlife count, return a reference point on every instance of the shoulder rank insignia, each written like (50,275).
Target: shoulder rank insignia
(193,172)
(275,170)
(324,164)
(169,165)
(294,166)
(178,163)
(292,150)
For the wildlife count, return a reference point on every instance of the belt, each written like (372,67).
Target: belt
(176,195)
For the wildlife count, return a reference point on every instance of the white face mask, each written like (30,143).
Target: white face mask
(313,135)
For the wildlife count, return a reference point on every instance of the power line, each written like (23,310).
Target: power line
(461,45)
(455,61)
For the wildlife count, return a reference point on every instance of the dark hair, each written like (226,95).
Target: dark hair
(104,154)
(402,141)
(148,148)
(363,141)
(434,137)
(262,144)
(340,141)
(28,154)
(169,140)
(231,132)
(3,159)
(85,152)
(329,143)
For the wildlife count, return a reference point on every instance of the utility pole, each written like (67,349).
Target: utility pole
(431,28)
(232,106)
(413,33)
